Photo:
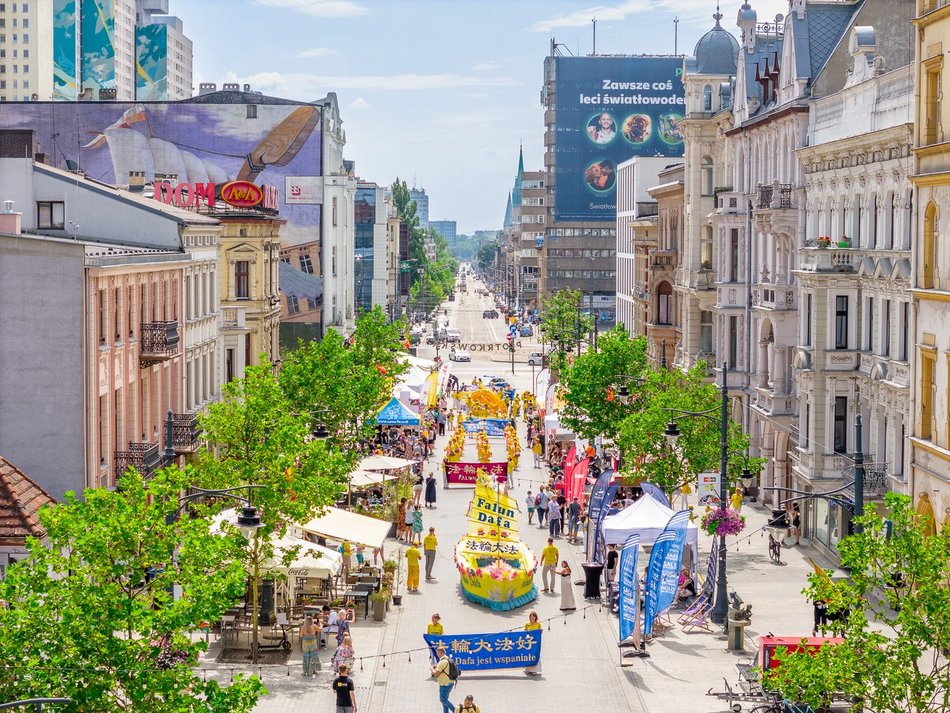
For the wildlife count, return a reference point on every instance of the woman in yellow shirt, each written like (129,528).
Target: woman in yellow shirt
(412,575)
(435,628)
(533,625)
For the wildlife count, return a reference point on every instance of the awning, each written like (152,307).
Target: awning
(364,478)
(396,413)
(311,559)
(341,525)
(378,462)
(299,284)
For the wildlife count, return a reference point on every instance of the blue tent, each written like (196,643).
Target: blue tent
(396,413)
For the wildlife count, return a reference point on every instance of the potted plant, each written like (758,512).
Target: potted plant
(378,600)
(397,598)
(824,241)
(844,242)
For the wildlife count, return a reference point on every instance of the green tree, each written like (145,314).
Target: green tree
(592,407)
(562,323)
(641,434)
(894,612)
(91,614)
(485,255)
(256,436)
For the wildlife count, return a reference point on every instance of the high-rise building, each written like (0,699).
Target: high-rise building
(373,254)
(26,65)
(117,49)
(448,229)
(422,205)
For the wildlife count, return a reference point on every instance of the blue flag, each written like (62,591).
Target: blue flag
(657,493)
(475,652)
(609,496)
(664,567)
(595,503)
(628,586)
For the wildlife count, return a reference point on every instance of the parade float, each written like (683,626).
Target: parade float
(496,568)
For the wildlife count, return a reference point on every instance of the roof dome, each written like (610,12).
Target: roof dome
(716,51)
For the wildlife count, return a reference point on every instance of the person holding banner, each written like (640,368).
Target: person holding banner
(533,625)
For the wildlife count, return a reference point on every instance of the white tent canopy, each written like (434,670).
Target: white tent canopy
(647,517)
(364,478)
(311,559)
(378,462)
(341,525)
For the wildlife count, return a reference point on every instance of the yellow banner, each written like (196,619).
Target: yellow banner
(490,509)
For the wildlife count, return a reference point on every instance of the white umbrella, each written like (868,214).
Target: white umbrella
(364,478)
(378,462)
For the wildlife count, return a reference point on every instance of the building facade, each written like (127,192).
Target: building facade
(930,427)
(448,229)
(373,258)
(421,198)
(26,63)
(163,54)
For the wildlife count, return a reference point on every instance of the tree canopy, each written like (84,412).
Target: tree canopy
(894,613)
(562,322)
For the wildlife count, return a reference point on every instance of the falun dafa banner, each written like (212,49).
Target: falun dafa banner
(478,652)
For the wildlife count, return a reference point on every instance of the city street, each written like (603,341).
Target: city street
(677,675)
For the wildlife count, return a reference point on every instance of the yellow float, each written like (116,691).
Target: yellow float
(496,568)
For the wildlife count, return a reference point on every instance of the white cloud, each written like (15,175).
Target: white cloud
(359,103)
(319,8)
(315,52)
(486,66)
(582,18)
(412,82)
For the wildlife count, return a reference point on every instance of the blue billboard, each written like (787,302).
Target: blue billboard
(607,110)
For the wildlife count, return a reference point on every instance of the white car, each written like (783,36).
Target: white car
(536,359)
(459,355)
(453,335)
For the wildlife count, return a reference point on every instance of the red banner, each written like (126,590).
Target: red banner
(466,473)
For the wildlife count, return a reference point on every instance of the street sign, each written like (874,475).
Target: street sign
(513,329)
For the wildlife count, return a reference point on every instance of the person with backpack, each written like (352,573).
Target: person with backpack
(446,673)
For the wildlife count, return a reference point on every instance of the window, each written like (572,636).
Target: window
(841,322)
(886,328)
(734,255)
(707,98)
(229,364)
(733,342)
(869,337)
(905,330)
(928,273)
(293,305)
(706,332)
(707,176)
(242,280)
(252,111)
(664,312)
(808,308)
(706,248)
(312,303)
(102,318)
(932,101)
(51,214)
(305,263)
(928,394)
(841,424)
(333,212)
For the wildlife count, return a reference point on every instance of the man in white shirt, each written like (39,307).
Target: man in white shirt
(331,625)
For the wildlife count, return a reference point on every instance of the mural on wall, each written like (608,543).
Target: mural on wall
(98,46)
(267,144)
(151,69)
(64,49)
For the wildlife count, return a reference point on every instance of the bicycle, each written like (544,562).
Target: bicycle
(783,706)
(775,549)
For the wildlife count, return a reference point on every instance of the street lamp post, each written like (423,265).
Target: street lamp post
(858,473)
(721,607)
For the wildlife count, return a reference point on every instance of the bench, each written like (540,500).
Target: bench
(749,678)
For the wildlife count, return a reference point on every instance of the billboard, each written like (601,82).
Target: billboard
(607,110)
(194,142)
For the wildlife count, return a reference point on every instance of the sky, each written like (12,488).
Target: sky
(440,93)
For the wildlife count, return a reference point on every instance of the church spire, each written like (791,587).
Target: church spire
(718,16)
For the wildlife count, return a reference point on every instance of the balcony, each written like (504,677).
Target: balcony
(774,298)
(729,202)
(774,210)
(783,407)
(815,259)
(159,342)
(876,482)
(185,432)
(146,458)
(778,195)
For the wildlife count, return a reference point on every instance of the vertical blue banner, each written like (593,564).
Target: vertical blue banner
(595,502)
(663,571)
(609,496)
(657,493)
(628,586)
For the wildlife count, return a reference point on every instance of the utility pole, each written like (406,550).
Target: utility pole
(858,473)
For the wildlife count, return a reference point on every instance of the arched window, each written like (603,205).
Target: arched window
(707,176)
(664,303)
(707,98)
(929,269)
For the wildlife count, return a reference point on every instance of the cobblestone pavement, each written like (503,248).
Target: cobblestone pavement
(580,658)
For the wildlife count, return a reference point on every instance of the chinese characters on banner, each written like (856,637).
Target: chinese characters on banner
(491,426)
(466,473)
(475,652)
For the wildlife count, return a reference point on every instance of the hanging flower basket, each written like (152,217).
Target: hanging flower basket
(723,522)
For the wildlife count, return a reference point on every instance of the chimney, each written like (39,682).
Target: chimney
(230,87)
(10,220)
(207,88)
(136,181)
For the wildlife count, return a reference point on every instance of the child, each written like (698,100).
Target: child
(360,555)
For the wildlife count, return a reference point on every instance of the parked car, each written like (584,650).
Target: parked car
(490,314)
(459,355)
(536,359)
(527,331)
(453,335)
(451,297)
(415,337)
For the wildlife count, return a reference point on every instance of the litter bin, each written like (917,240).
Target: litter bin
(593,571)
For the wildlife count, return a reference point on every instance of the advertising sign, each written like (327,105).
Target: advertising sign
(475,652)
(607,110)
(303,190)
(596,506)
(627,609)
(707,488)
(664,567)
(467,473)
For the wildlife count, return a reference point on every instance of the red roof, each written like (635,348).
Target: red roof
(20,499)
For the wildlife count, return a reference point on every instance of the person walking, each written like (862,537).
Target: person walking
(573,519)
(440,419)
(554,518)
(536,449)
(567,589)
(440,672)
(401,518)
(412,573)
(344,655)
(345,691)
(549,557)
(430,491)
(418,484)
(416,525)
(468,706)
(529,501)
(533,625)
(310,646)
(541,504)
(428,547)
(797,523)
